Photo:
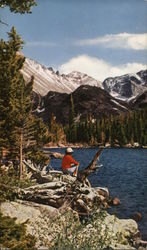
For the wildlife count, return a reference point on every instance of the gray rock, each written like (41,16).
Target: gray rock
(47,223)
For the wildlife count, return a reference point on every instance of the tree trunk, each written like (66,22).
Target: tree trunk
(21,153)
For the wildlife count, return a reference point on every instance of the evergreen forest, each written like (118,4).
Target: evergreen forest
(119,130)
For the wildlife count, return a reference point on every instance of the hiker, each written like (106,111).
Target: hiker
(69,164)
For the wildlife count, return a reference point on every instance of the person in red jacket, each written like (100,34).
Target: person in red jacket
(69,164)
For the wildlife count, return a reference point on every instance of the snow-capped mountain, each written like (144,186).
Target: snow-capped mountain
(127,86)
(124,87)
(46,79)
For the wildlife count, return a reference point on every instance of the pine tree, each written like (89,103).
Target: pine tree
(9,64)
(103,131)
(136,127)
(21,133)
(72,136)
(123,129)
(141,135)
(18,6)
(98,131)
(57,134)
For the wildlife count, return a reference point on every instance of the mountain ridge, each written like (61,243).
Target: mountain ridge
(88,101)
(46,79)
(125,87)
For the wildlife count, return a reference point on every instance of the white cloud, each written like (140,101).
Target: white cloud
(122,40)
(40,44)
(98,68)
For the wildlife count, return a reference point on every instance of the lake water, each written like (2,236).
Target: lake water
(124,172)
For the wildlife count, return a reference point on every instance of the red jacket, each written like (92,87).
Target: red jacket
(67,162)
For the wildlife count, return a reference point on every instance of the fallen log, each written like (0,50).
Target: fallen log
(36,173)
(44,177)
(79,196)
(83,174)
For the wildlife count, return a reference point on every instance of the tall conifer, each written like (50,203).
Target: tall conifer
(72,123)
(20,132)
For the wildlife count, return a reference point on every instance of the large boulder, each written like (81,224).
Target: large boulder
(124,228)
(49,225)
(36,217)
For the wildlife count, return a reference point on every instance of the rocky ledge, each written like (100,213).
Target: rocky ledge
(56,209)
(46,224)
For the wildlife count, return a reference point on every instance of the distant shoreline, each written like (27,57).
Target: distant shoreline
(92,146)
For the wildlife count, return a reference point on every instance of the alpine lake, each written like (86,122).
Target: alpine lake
(124,172)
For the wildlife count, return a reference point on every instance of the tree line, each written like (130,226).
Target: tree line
(119,130)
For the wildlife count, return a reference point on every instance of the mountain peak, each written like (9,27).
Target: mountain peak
(46,79)
(127,86)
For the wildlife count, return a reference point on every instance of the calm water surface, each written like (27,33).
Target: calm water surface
(124,172)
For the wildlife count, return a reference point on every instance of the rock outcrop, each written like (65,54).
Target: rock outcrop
(47,223)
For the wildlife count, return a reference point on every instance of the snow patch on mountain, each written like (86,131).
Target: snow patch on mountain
(127,86)
(118,104)
(46,79)
(40,110)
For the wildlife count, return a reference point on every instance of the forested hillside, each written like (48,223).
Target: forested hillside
(119,130)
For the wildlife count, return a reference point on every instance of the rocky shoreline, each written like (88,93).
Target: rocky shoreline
(54,208)
(80,145)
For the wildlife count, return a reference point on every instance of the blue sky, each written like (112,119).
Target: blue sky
(99,37)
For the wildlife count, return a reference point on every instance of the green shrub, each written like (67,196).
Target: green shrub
(9,182)
(89,234)
(14,236)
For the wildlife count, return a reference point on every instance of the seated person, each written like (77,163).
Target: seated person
(69,164)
